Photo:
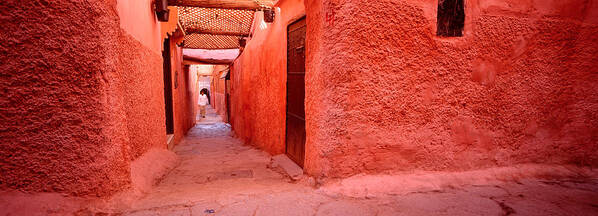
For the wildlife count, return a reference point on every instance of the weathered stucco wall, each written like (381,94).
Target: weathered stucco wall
(83,97)
(144,86)
(58,131)
(218,91)
(385,94)
(258,77)
(138,19)
(183,92)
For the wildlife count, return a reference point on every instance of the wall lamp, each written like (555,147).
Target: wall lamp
(269,14)
(242,42)
(162,10)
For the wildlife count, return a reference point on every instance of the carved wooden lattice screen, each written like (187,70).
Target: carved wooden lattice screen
(216,28)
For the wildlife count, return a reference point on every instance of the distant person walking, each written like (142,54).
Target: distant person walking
(202,102)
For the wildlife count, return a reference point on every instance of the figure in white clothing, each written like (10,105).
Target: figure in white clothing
(202,101)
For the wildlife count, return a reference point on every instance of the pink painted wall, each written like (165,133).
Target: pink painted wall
(258,80)
(84,97)
(139,20)
(385,94)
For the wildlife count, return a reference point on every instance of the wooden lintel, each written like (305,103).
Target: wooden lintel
(225,4)
(212,32)
(193,60)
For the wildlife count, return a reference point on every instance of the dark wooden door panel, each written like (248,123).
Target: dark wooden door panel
(295,92)
(295,126)
(296,47)
(168,104)
(296,139)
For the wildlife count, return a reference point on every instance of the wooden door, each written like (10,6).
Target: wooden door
(295,120)
(168,106)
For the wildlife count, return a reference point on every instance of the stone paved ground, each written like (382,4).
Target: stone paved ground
(218,175)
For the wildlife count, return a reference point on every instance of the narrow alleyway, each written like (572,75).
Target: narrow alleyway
(218,175)
(211,117)
(316,107)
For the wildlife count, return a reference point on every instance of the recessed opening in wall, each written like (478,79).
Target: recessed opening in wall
(168,104)
(451,18)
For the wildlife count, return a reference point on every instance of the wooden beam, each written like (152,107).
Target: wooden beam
(213,32)
(193,60)
(225,4)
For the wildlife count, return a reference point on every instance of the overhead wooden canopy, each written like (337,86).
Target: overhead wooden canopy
(214,28)
(217,24)
(216,32)
(225,4)
(209,41)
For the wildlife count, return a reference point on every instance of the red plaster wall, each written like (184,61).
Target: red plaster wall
(194,88)
(218,90)
(141,87)
(258,80)
(385,94)
(139,20)
(146,99)
(183,94)
(82,97)
(56,127)
(212,89)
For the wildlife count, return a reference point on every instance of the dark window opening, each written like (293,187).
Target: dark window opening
(451,18)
